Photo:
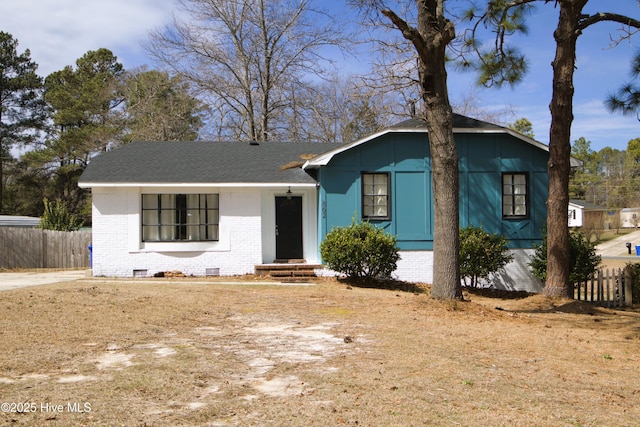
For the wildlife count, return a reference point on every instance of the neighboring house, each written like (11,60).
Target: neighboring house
(630,217)
(582,213)
(223,208)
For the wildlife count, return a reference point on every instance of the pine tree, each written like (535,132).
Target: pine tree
(86,121)
(22,109)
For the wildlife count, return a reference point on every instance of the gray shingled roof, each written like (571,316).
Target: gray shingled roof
(18,221)
(459,122)
(202,162)
(587,206)
(225,162)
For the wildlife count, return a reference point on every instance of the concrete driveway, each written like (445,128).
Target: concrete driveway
(15,280)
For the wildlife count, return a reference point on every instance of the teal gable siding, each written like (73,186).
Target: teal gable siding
(483,157)
(483,160)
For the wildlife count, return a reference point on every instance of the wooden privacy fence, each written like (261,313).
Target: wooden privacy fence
(608,288)
(36,248)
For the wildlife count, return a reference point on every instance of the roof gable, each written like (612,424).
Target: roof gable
(461,124)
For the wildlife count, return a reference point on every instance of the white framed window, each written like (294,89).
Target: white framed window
(515,197)
(180,217)
(375,196)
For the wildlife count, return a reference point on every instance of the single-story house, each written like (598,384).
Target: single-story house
(582,213)
(207,208)
(203,208)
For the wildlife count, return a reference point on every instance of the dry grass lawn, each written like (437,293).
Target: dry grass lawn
(190,353)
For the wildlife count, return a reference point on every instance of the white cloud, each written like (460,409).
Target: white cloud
(591,121)
(602,128)
(58,32)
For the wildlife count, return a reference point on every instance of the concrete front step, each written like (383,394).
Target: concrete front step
(292,273)
(287,270)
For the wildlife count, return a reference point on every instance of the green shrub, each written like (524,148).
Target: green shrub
(481,254)
(582,257)
(57,217)
(360,250)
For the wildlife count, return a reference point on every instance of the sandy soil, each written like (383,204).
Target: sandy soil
(172,352)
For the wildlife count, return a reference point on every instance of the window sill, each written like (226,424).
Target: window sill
(182,246)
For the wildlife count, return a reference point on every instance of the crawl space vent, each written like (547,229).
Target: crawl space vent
(139,273)
(212,271)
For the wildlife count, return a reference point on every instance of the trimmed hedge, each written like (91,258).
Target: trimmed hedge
(360,250)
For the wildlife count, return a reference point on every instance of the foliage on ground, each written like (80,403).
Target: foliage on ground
(238,352)
(388,284)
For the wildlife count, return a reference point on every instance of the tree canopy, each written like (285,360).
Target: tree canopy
(523,126)
(22,110)
(159,107)
(627,99)
(92,107)
(250,60)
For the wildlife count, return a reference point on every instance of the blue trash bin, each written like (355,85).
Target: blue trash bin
(637,250)
(91,255)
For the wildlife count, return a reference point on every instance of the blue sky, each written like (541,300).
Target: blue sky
(58,32)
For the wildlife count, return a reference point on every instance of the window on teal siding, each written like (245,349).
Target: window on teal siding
(515,197)
(180,217)
(375,196)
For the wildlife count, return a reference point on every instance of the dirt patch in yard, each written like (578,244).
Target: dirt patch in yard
(179,352)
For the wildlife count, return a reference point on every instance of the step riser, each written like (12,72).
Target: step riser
(286,270)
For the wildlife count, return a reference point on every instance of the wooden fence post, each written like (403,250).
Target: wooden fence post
(45,252)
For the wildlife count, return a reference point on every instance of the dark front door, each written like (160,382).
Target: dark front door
(288,228)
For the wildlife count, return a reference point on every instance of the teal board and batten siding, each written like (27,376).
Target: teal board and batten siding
(405,156)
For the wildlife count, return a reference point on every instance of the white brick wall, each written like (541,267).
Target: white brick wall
(517,275)
(118,250)
(415,266)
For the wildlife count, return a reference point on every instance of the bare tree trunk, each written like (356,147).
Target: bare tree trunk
(446,183)
(430,40)
(446,242)
(559,167)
